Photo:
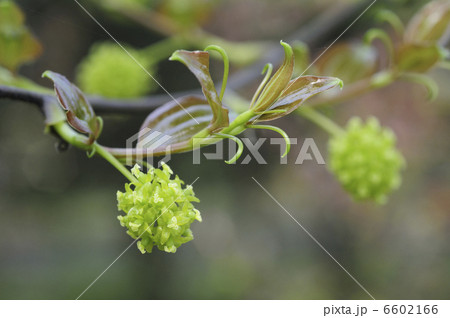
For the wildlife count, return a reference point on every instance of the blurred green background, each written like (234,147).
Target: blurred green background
(59,231)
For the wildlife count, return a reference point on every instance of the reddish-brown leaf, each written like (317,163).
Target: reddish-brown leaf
(173,126)
(298,91)
(198,64)
(79,112)
(278,82)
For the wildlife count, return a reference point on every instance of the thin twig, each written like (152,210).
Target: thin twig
(101,105)
(314,34)
(22,95)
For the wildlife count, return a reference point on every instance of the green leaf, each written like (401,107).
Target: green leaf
(198,64)
(429,24)
(299,90)
(175,125)
(278,81)
(79,112)
(17,44)
(417,57)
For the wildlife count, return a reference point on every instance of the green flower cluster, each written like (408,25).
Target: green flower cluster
(365,160)
(110,72)
(158,210)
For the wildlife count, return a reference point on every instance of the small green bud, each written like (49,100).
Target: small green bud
(365,161)
(110,72)
(158,210)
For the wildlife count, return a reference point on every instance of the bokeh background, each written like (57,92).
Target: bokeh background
(59,227)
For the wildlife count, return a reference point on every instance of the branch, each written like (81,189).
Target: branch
(101,105)
(321,30)
(23,95)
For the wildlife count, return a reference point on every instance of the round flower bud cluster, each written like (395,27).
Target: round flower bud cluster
(110,72)
(365,161)
(158,210)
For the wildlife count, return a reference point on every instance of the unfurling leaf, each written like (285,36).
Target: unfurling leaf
(17,44)
(174,124)
(417,57)
(281,95)
(429,24)
(297,91)
(198,64)
(79,112)
(278,81)
(192,121)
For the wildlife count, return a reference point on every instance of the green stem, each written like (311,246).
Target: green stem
(68,134)
(393,19)
(320,120)
(226,66)
(238,124)
(379,34)
(239,143)
(268,70)
(278,130)
(80,141)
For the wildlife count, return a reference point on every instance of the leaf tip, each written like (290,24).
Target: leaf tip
(175,56)
(287,48)
(47,74)
(339,82)
(267,67)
